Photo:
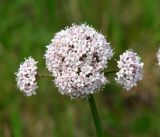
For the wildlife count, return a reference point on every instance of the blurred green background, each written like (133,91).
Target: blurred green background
(27,26)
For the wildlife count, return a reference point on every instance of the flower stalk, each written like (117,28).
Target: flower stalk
(95,116)
(110,73)
(44,76)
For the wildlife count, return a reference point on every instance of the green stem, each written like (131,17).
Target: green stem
(44,76)
(110,72)
(95,115)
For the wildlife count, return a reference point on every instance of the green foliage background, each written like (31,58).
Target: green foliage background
(27,26)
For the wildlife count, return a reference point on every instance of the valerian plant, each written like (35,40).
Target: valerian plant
(76,58)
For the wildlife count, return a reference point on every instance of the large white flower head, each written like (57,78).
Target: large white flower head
(77,57)
(130,69)
(26,77)
(158,56)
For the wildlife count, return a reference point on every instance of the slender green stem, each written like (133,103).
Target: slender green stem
(110,73)
(44,76)
(95,116)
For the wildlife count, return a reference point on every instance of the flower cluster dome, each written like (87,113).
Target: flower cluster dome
(130,69)
(77,57)
(26,77)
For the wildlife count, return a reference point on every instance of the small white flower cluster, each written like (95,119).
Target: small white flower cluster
(158,56)
(131,69)
(77,57)
(26,77)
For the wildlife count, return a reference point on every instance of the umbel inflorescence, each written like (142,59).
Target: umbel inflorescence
(77,57)
(26,77)
(130,69)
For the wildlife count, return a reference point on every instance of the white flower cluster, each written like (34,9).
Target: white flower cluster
(158,56)
(131,69)
(77,57)
(26,77)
